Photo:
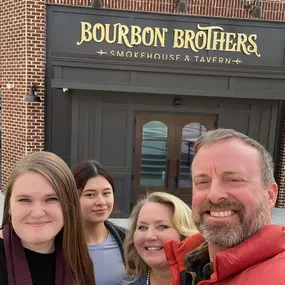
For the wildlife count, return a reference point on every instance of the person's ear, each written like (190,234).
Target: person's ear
(272,194)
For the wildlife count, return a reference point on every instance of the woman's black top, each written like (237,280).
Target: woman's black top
(42,266)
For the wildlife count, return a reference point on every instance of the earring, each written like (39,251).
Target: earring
(9,217)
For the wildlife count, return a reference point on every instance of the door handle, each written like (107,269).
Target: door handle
(176,178)
(167,173)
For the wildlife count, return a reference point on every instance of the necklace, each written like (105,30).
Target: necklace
(148,278)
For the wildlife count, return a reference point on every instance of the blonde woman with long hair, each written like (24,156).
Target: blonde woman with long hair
(158,218)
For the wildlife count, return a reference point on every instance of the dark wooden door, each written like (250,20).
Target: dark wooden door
(187,130)
(164,152)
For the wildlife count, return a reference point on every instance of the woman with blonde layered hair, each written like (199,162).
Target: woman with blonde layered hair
(158,218)
(41,238)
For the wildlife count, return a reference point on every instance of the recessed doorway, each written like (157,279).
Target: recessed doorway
(164,152)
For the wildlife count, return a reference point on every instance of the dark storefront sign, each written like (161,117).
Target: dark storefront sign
(146,37)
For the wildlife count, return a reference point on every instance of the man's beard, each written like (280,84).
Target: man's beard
(228,234)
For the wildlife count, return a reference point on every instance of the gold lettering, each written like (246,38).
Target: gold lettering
(230,41)
(101,29)
(149,55)
(203,36)
(218,43)
(123,35)
(120,53)
(252,48)
(210,30)
(147,36)
(189,37)
(107,33)
(209,41)
(206,38)
(241,43)
(136,38)
(86,35)
(156,56)
(178,41)
(129,54)
(160,35)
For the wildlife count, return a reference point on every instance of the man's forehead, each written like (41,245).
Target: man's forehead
(202,174)
(227,146)
(233,154)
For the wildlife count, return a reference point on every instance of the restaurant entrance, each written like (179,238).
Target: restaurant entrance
(164,151)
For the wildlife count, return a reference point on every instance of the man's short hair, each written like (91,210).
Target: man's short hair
(267,166)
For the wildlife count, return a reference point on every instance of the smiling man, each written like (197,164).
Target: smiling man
(233,193)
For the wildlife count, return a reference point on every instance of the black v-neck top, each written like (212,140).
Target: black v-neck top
(42,266)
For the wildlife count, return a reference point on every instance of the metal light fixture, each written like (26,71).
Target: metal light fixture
(97,3)
(32,96)
(254,9)
(181,5)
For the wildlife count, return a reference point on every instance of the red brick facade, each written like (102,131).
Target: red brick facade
(281,169)
(271,9)
(22,63)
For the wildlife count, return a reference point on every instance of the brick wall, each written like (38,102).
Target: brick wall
(22,63)
(281,169)
(36,57)
(272,9)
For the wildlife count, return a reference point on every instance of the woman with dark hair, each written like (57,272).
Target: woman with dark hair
(105,240)
(41,238)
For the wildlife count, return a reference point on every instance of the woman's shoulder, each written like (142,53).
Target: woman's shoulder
(2,249)
(140,281)
(3,270)
(1,245)
(1,242)
(116,230)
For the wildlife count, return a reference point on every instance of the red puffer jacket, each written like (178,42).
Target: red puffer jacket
(259,260)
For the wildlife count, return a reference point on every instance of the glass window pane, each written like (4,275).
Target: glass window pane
(190,133)
(153,155)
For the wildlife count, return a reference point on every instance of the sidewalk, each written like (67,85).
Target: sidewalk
(278,215)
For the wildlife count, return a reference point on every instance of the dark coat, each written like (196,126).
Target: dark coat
(118,233)
(3,269)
